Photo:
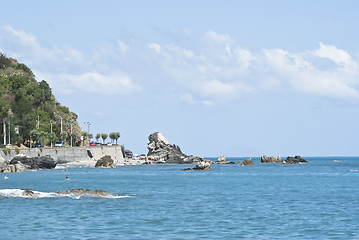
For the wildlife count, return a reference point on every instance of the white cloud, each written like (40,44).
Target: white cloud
(91,82)
(333,53)
(155,46)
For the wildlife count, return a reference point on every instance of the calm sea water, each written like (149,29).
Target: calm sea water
(318,200)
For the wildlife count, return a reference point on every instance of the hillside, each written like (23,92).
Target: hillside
(24,101)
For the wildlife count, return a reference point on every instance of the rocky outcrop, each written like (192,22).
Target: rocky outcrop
(105,162)
(247,162)
(6,167)
(271,159)
(201,166)
(43,162)
(295,160)
(222,160)
(81,191)
(159,147)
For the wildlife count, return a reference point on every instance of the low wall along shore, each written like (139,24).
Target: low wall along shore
(68,154)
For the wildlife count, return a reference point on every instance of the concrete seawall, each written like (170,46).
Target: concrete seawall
(69,155)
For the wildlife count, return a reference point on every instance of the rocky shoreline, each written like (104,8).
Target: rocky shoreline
(160,151)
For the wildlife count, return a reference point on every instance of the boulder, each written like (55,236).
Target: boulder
(295,160)
(6,167)
(222,160)
(105,162)
(201,166)
(160,148)
(271,159)
(81,191)
(43,162)
(247,162)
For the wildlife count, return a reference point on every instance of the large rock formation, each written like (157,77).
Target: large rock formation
(159,147)
(43,162)
(271,159)
(105,162)
(295,160)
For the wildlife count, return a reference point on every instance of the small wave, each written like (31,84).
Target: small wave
(20,193)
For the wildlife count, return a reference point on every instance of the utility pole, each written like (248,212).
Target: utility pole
(71,134)
(4,132)
(61,124)
(38,121)
(51,131)
(9,130)
(88,132)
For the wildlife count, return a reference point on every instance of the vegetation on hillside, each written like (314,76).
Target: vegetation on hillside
(29,111)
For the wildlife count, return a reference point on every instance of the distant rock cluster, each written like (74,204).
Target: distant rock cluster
(159,147)
(21,163)
(278,159)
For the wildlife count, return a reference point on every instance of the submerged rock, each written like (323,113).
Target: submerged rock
(271,159)
(295,160)
(105,162)
(43,162)
(29,193)
(81,191)
(160,148)
(247,162)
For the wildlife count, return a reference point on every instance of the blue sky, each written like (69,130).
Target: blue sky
(240,78)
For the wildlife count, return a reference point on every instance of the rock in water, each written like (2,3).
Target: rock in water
(222,160)
(29,193)
(81,191)
(271,159)
(247,162)
(203,166)
(159,147)
(295,160)
(105,162)
(43,162)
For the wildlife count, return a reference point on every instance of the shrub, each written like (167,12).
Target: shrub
(4,150)
(17,150)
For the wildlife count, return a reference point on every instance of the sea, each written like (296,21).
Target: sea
(315,200)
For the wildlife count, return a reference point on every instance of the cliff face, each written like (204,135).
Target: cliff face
(159,147)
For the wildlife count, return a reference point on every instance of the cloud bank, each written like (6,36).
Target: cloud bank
(216,70)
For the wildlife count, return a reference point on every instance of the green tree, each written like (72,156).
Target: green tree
(117,136)
(35,135)
(63,136)
(98,136)
(112,137)
(104,136)
(84,135)
(74,138)
(52,137)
